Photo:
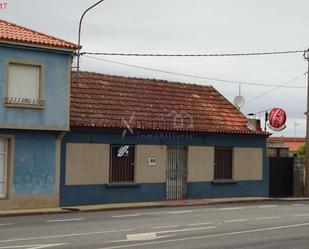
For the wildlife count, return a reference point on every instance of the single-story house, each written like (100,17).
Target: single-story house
(284,146)
(134,139)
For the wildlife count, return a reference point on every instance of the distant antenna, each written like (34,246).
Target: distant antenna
(239,101)
(295,126)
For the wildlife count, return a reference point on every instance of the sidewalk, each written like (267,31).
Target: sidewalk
(167,203)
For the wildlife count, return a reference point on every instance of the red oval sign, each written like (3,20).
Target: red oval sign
(277,118)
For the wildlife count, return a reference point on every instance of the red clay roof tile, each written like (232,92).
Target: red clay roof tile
(100,101)
(13,33)
(292,142)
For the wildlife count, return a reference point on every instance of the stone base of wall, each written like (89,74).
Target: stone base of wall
(299,177)
(30,201)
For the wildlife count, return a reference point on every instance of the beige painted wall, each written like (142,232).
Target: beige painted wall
(200,163)
(248,163)
(150,174)
(87,163)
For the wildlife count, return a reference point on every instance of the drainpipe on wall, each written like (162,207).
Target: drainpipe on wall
(61,135)
(59,138)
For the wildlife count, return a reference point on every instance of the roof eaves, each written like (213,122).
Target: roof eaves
(68,45)
(36,46)
(240,132)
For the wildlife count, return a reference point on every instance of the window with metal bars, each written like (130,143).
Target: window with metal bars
(122,161)
(223,168)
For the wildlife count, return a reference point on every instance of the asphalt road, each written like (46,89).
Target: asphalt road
(283,225)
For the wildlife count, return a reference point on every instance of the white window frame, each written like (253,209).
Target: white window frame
(24,102)
(5,181)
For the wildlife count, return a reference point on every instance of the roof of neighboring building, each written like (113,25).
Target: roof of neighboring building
(293,143)
(10,32)
(106,101)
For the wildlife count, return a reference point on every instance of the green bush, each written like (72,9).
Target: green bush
(301,152)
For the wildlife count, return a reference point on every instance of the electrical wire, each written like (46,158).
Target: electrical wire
(195,55)
(276,88)
(190,75)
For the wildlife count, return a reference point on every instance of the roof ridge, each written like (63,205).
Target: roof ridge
(148,79)
(38,32)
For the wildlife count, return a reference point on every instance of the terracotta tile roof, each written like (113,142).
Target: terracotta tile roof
(13,33)
(293,143)
(286,139)
(100,101)
(294,146)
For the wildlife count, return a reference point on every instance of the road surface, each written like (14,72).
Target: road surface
(283,225)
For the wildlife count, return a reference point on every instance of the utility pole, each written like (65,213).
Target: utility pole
(306,56)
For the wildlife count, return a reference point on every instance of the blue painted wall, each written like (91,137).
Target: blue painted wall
(34,158)
(164,138)
(103,193)
(56,110)
(198,190)
(34,163)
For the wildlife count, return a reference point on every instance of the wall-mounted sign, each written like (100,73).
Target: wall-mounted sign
(152,162)
(277,119)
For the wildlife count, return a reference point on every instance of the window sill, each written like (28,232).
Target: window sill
(227,181)
(122,184)
(27,106)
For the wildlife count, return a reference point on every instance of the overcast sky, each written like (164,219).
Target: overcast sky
(195,26)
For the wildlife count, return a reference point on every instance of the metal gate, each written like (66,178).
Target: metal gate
(176,175)
(281,174)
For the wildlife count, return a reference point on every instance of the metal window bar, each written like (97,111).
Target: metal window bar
(223,163)
(122,163)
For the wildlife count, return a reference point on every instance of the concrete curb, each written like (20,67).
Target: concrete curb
(22,212)
(110,208)
(127,206)
(255,201)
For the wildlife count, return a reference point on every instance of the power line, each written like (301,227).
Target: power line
(190,75)
(195,55)
(276,88)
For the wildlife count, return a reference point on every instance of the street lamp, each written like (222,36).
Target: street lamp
(80,29)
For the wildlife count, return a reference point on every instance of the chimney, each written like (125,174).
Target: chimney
(254,124)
